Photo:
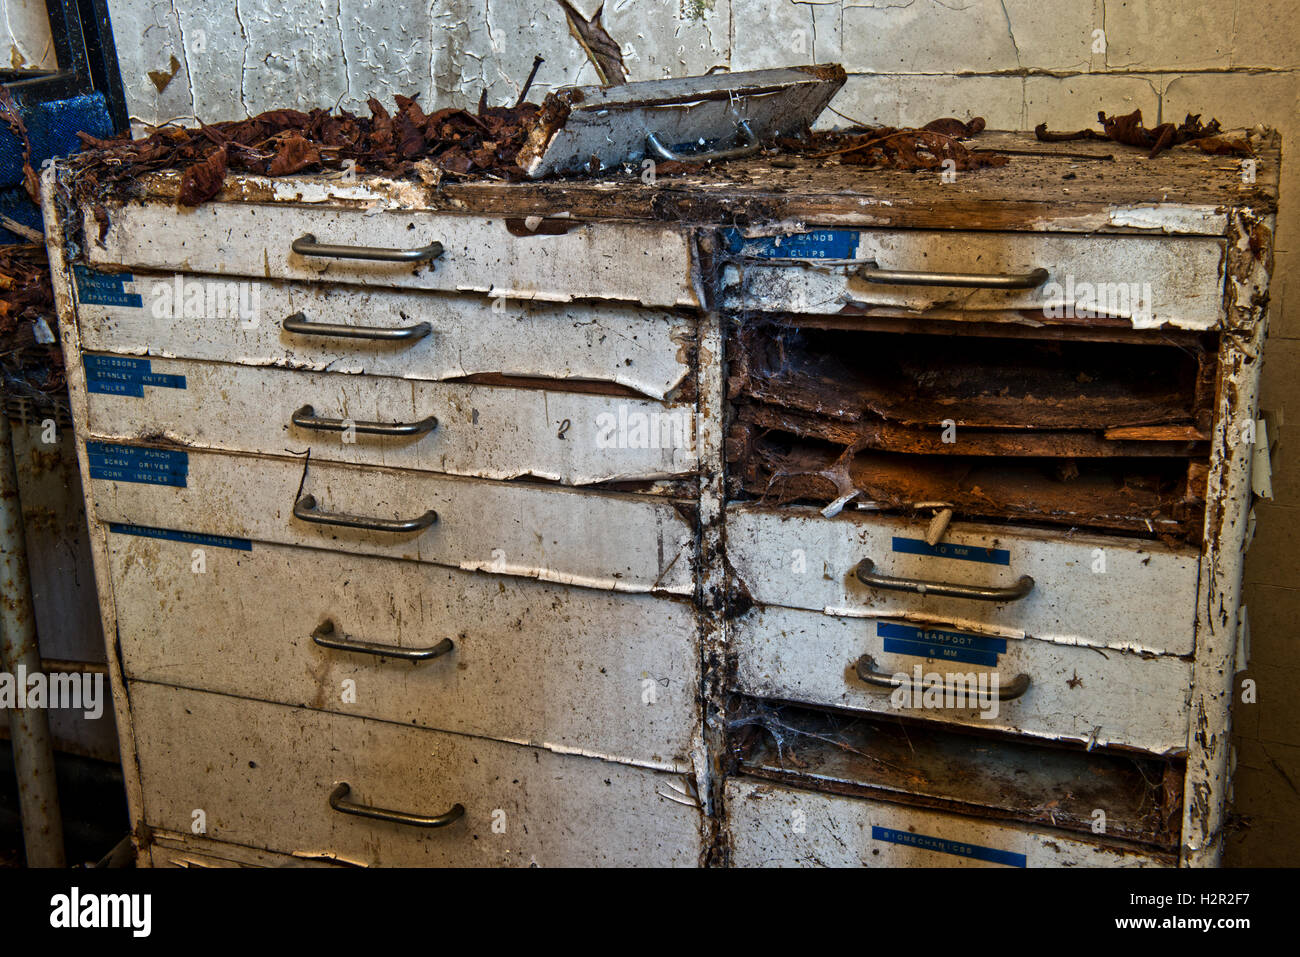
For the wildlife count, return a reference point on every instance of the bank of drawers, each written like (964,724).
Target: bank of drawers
(333,564)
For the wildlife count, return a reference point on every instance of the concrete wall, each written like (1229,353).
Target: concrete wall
(1016,62)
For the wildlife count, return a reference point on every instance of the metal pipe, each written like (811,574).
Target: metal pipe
(29,728)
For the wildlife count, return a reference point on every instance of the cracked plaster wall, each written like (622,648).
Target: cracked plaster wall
(1016,62)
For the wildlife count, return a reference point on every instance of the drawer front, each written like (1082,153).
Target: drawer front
(484,431)
(616,261)
(547,665)
(263,775)
(243,321)
(1143,600)
(536,531)
(196,854)
(1151,281)
(1118,698)
(774,826)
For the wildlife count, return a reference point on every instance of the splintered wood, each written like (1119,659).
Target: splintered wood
(1101,435)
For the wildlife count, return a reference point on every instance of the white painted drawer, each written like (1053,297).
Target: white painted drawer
(620,261)
(775,826)
(646,350)
(1145,600)
(262,774)
(484,431)
(1178,280)
(1074,692)
(547,665)
(536,531)
(193,853)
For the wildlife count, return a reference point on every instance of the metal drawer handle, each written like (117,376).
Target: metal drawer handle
(305,509)
(338,803)
(898,277)
(327,637)
(306,245)
(865,573)
(750,147)
(306,418)
(867,673)
(298,324)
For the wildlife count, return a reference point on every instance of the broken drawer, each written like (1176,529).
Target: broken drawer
(1147,280)
(561,261)
(1074,693)
(776,826)
(1106,592)
(537,531)
(413,335)
(555,667)
(485,431)
(272,777)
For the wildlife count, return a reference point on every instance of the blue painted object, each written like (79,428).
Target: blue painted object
(52,131)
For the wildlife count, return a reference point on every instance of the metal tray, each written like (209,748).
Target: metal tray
(691,119)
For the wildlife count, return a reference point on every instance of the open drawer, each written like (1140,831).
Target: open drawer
(894,667)
(1101,591)
(968,786)
(1147,282)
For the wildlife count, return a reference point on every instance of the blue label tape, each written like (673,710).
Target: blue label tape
(938,643)
(123,375)
(945,846)
(105,289)
(172,535)
(821,244)
(132,463)
(969,553)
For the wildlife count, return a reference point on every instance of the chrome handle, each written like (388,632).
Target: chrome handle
(865,573)
(306,418)
(750,147)
(338,803)
(898,277)
(306,245)
(305,509)
(867,673)
(326,636)
(298,324)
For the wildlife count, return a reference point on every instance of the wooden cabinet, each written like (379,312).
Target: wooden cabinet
(633,525)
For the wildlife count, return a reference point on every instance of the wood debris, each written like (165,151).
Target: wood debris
(1128,129)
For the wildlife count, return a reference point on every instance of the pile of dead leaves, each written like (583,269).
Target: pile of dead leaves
(450,142)
(1129,130)
(928,148)
(28,365)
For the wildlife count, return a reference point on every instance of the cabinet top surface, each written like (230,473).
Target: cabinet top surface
(1074,186)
